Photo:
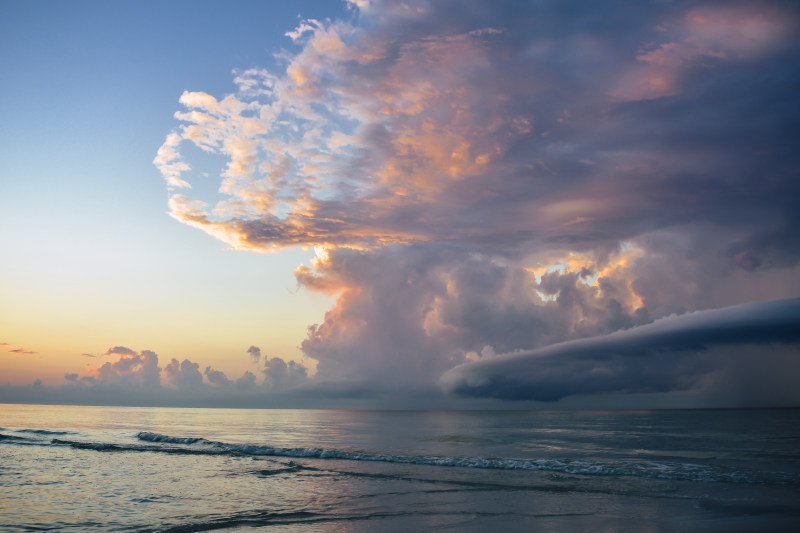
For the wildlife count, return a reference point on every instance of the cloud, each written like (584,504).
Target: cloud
(509,176)
(255,353)
(184,374)
(216,377)
(132,369)
(477,133)
(247,381)
(661,356)
(119,350)
(280,375)
(305,26)
(702,38)
(136,378)
(10,348)
(410,137)
(140,371)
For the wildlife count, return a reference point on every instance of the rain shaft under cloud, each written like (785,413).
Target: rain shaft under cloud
(490,177)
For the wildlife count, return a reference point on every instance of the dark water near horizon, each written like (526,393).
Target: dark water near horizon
(70,468)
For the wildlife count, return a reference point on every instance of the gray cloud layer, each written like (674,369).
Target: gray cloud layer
(660,356)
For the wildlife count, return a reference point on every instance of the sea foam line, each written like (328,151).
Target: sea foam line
(646,469)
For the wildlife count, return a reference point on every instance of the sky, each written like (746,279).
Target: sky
(400,204)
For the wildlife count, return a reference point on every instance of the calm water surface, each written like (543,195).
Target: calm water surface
(156,469)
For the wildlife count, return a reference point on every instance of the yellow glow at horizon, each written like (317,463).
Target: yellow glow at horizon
(62,321)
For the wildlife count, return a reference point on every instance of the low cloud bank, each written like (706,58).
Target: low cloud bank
(672,353)
(738,356)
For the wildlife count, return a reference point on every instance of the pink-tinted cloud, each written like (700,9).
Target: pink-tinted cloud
(703,37)
(348,149)
(137,369)
(412,137)
(500,176)
(140,371)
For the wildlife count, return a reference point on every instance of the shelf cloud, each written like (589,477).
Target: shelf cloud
(664,355)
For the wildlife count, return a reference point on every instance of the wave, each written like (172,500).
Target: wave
(45,432)
(158,443)
(156,437)
(110,447)
(15,438)
(241,519)
(645,469)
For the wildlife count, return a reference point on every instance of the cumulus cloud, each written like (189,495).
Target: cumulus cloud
(184,374)
(141,371)
(660,356)
(136,378)
(216,377)
(137,369)
(506,175)
(280,375)
(248,380)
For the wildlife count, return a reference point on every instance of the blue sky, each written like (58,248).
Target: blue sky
(89,91)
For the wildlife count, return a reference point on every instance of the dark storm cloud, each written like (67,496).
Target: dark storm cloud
(485,177)
(661,356)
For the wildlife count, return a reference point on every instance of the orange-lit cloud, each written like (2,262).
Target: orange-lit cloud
(506,178)
(703,36)
(296,171)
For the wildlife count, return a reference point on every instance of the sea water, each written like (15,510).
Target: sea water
(72,468)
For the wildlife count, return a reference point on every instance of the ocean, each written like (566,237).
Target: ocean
(68,468)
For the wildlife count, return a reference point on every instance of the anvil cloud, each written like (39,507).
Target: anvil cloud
(487,177)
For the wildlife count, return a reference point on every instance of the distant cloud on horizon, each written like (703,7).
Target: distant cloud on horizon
(737,356)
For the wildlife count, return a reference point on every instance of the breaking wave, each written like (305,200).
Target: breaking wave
(14,438)
(645,469)
(158,443)
(45,432)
